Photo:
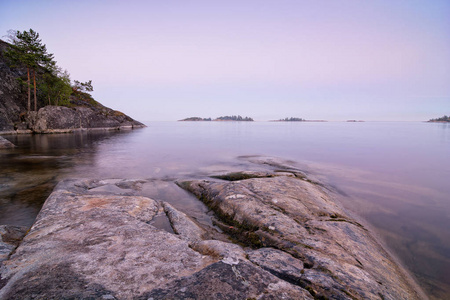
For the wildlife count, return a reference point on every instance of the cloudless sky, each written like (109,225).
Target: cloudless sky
(317,59)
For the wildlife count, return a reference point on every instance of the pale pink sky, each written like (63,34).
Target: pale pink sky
(335,60)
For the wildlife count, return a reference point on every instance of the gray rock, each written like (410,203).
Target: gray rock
(223,280)
(278,262)
(227,252)
(340,258)
(182,225)
(10,237)
(104,246)
(50,119)
(99,239)
(104,243)
(4,143)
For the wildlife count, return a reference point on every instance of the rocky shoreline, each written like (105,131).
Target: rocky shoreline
(275,234)
(60,119)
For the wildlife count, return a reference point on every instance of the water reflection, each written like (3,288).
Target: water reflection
(30,172)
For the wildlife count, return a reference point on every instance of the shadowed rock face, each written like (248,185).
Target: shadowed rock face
(97,239)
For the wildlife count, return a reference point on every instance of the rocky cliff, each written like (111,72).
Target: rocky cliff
(276,235)
(83,113)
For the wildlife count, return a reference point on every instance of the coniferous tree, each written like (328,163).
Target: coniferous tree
(27,49)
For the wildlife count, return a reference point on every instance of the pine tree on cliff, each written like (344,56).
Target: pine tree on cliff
(27,49)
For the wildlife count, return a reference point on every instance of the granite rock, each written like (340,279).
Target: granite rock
(320,247)
(279,235)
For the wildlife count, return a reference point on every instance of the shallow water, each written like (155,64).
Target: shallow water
(395,174)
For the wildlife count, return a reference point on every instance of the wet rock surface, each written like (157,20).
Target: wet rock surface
(4,143)
(276,236)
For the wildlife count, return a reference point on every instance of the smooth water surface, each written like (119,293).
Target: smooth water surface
(394,174)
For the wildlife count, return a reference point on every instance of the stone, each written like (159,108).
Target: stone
(10,237)
(278,236)
(278,262)
(97,243)
(319,246)
(182,225)
(4,143)
(51,119)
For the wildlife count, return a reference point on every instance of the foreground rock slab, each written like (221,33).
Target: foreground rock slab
(274,235)
(86,244)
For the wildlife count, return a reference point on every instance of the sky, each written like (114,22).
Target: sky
(268,59)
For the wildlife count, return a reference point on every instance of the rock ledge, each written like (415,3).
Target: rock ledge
(287,239)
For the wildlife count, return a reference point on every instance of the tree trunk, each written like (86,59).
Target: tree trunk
(34,83)
(49,100)
(29,92)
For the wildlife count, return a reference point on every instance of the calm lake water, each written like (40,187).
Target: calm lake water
(393,174)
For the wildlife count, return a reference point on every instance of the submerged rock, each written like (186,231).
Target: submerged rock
(4,143)
(99,239)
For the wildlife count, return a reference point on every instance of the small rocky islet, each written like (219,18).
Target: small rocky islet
(273,234)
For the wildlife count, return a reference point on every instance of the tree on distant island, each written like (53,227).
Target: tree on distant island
(292,120)
(233,118)
(445,118)
(196,119)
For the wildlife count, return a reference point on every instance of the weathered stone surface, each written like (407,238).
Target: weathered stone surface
(278,262)
(183,225)
(224,280)
(88,242)
(225,251)
(10,237)
(101,239)
(63,119)
(4,143)
(340,259)
(107,243)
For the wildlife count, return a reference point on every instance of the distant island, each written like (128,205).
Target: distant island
(224,118)
(353,121)
(445,119)
(292,119)
(234,118)
(196,119)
